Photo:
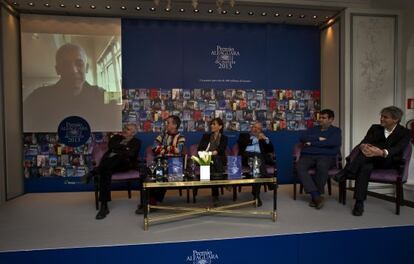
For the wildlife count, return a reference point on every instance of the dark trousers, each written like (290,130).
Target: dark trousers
(361,167)
(107,167)
(321,164)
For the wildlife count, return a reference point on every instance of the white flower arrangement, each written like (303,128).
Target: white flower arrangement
(204,158)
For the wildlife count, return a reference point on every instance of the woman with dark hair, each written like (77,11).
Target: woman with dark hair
(215,142)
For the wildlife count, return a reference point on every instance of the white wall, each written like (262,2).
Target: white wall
(330,69)
(11,102)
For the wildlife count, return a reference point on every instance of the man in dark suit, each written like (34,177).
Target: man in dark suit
(382,148)
(122,154)
(257,144)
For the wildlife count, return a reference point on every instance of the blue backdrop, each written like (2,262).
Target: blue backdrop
(189,55)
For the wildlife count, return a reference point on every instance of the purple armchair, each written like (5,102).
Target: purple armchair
(129,177)
(334,170)
(395,177)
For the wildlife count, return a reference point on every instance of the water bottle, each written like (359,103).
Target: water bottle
(256,167)
(159,171)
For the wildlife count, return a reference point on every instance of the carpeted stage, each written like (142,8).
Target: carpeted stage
(61,228)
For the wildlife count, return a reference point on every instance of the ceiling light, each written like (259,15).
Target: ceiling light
(264,14)
(167,9)
(237,12)
(62,5)
(47,4)
(152,9)
(108,7)
(31,4)
(15,3)
(315,17)
(224,12)
(92,6)
(182,10)
(250,13)
(138,8)
(289,15)
(77,6)
(123,7)
(210,11)
(196,10)
(326,17)
(277,14)
(302,16)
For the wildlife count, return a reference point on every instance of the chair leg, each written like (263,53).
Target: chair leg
(180,192)
(234,193)
(96,196)
(398,200)
(222,190)
(129,186)
(294,191)
(188,195)
(329,186)
(342,187)
(195,191)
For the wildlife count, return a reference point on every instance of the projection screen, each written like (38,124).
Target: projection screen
(71,66)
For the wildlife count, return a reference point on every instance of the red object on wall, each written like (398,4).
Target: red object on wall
(410,103)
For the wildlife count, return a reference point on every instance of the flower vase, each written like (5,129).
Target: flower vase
(205,173)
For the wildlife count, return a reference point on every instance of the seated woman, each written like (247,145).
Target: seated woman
(215,142)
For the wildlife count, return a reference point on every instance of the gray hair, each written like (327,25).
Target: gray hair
(395,112)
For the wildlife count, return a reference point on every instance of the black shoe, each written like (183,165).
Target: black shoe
(340,176)
(319,202)
(358,209)
(312,203)
(102,213)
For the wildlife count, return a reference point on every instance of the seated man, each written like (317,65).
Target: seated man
(381,148)
(122,154)
(320,146)
(252,144)
(169,143)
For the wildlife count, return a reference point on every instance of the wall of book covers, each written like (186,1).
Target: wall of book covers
(276,109)
(242,73)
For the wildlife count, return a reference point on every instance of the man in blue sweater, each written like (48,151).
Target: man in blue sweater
(321,144)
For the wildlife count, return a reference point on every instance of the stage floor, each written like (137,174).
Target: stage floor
(67,220)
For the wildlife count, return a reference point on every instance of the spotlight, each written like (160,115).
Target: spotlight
(196,10)
(210,11)
(264,14)
(182,10)
(77,6)
(237,12)
(277,14)
(15,3)
(302,16)
(47,4)
(250,13)
(224,12)
(108,7)
(289,15)
(315,17)
(123,7)
(31,4)
(152,9)
(167,9)
(62,5)
(138,8)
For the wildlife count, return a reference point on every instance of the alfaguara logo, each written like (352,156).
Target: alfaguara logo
(225,57)
(202,257)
